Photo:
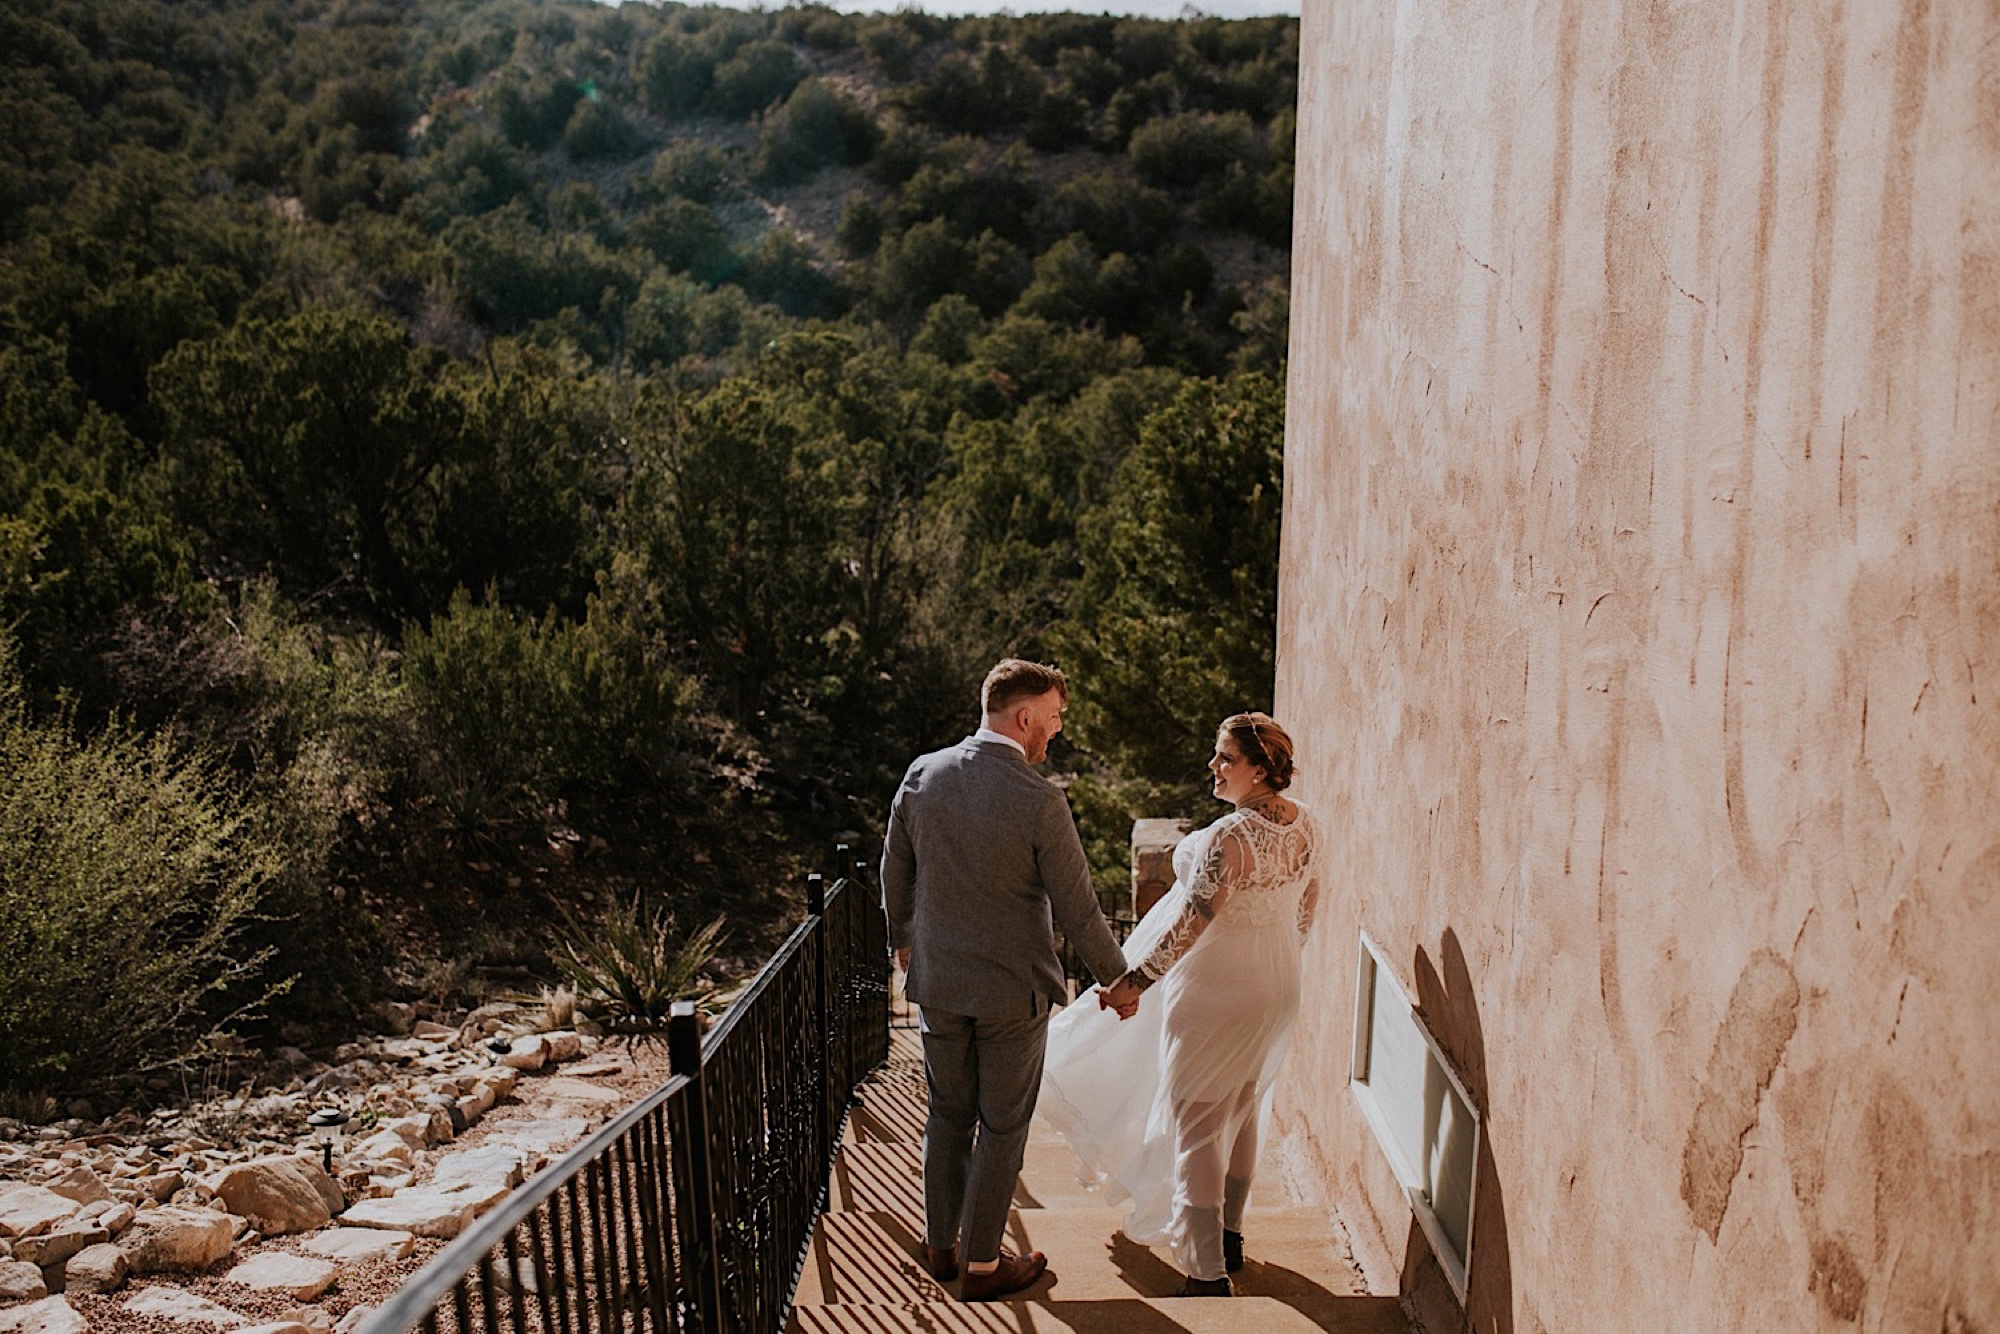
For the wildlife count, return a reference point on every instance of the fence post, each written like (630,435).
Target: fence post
(696,1188)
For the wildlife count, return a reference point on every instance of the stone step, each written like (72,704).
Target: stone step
(1187,1315)
(869,1258)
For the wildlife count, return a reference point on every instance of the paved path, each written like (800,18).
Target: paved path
(862,1276)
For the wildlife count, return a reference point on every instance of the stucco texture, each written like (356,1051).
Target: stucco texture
(1640,634)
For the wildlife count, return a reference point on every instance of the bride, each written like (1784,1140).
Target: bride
(1165,1110)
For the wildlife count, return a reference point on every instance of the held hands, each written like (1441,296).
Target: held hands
(1121,996)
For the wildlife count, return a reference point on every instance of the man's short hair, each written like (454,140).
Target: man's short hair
(1015,679)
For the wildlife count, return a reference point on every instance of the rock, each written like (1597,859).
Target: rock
(529,1052)
(412,1130)
(595,1069)
(427,1213)
(80,1184)
(396,1016)
(359,1245)
(160,1186)
(448,1108)
(501,1079)
(352,1320)
(21,1281)
(430,1031)
(56,1246)
(182,1308)
(298,1276)
(26,1210)
(315,1318)
(499,1164)
(95,1269)
(174,1238)
(538,1138)
(280,1195)
(475,1105)
(564,1045)
(50,1315)
(117,1218)
(384,1146)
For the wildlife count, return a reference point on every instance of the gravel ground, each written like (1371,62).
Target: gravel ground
(628,1072)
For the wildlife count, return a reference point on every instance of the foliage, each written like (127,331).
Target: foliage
(130,871)
(628,970)
(525,451)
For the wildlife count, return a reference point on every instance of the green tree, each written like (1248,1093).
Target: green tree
(1175,621)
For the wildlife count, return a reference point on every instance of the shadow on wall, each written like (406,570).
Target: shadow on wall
(1451,1011)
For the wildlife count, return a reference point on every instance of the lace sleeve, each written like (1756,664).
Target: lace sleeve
(1219,870)
(1309,901)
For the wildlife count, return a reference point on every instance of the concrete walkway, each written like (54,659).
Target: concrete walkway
(863,1276)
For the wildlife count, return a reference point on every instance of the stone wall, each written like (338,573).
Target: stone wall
(1640,631)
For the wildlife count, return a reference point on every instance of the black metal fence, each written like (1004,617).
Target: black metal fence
(692,1211)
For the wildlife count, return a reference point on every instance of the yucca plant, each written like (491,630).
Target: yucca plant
(628,970)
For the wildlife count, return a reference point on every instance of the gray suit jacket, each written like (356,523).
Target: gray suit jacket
(981,861)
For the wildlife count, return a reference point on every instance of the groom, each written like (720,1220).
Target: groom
(981,852)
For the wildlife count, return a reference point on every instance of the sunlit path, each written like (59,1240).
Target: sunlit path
(862,1275)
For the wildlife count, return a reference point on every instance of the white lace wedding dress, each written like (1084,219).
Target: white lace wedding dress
(1165,1109)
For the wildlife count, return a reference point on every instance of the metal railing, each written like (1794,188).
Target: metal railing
(692,1211)
(1075,971)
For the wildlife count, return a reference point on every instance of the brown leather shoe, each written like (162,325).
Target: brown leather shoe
(1015,1273)
(941,1261)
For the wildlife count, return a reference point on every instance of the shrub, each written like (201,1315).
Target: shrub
(130,871)
(1182,151)
(598,131)
(815,128)
(756,76)
(627,970)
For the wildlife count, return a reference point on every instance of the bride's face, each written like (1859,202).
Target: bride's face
(1233,778)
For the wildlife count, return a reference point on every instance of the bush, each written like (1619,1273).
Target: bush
(523,712)
(130,872)
(1182,151)
(756,76)
(815,128)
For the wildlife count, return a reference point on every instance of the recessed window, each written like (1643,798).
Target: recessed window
(1418,1107)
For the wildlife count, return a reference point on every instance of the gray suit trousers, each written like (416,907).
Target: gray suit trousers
(984,1076)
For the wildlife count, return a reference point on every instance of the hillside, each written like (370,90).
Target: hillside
(471,466)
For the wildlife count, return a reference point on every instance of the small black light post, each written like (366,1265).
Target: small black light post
(329,1126)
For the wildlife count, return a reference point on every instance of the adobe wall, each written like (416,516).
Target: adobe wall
(1640,629)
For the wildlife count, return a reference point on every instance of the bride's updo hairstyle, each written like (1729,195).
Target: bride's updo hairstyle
(1264,744)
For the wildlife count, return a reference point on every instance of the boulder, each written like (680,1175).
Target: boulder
(117,1218)
(183,1308)
(384,1146)
(496,1164)
(26,1210)
(82,1185)
(60,1243)
(298,1276)
(501,1079)
(426,1213)
(431,1031)
(280,1195)
(21,1281)
(95,1269)
(359,1245)
(50,1315)
(171,1237)
(315,1318)
(529,1052)
(564,1045)
(161,1186)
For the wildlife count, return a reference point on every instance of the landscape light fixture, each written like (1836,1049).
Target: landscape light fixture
(329,1127)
